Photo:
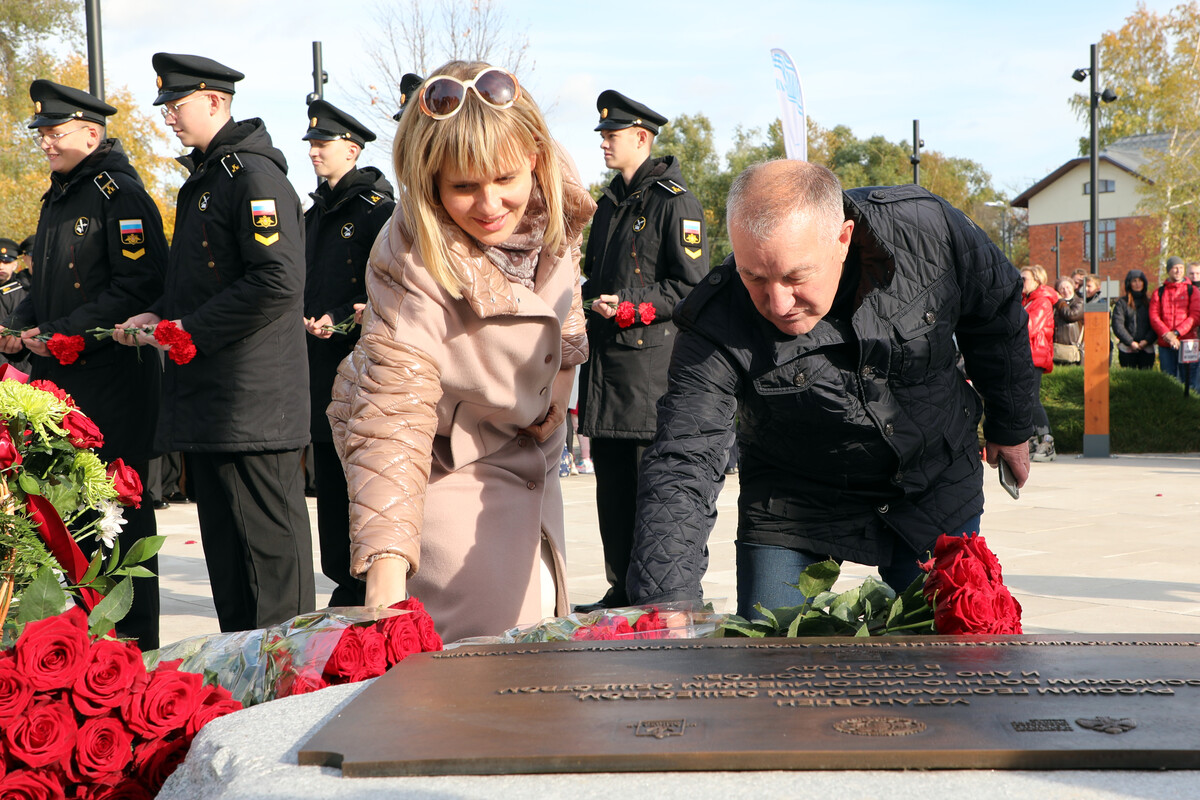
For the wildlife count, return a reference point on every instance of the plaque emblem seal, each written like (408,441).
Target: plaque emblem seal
(879,726)
(661,728)
(1107,724)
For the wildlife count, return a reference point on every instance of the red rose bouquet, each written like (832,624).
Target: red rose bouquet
(308,652)
(679,620)
(966,590)
(82,717)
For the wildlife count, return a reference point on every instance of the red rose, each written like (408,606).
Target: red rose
(52,388)
(651,626)
(157,759)
(301,683)
(978,611)
(976,545)
(52,652)
(215,702)
(127,483)
(402,635)
(604,629)
(430,641)
(10,456)
(127,789)
(25,784)
(169,699)
(65,348)
(43,735)
(103,747)
(625,314)
(646,313)
(82,431)
(112,671)
(359,655)
(15,691)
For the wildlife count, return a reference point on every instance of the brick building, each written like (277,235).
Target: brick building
(1061,203)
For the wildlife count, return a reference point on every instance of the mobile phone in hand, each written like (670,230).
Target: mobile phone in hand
(1007,480)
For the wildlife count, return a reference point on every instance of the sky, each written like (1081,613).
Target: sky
(988,81)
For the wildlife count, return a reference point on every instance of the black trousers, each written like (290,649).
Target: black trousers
(141,622)
(333,526)
(255,530)
(617,463)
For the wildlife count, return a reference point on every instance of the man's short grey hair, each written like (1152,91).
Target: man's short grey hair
(770,193)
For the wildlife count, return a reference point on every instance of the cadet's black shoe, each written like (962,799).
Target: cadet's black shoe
(611,599)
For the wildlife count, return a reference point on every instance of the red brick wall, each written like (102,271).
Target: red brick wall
(1132,249)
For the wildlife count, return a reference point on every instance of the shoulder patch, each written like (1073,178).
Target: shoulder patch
(672,187)
(10,287)
(232,164)
(107,186)
(264,216)
(372,198)
(132,235)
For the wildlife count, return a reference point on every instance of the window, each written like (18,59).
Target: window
(1107,238)
(1105,186)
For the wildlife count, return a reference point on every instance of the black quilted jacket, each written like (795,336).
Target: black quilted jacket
(856,433)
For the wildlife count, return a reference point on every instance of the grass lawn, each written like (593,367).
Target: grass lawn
(1148,412)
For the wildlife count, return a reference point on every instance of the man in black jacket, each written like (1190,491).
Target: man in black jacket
(647,248)
(349,207)
(830,334)
(238,411)
(99,255)
(12,292)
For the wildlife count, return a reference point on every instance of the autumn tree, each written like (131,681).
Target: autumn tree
(418,35)
(1153,64)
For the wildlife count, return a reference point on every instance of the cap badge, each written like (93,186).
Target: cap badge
(158,81)
(203,84)
(37,107)
(604,113)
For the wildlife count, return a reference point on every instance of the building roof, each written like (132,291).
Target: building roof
(1129,154)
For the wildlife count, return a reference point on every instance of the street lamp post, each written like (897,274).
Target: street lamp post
(1095,315)
(1004,243)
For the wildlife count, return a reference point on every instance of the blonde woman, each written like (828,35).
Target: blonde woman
(448,415)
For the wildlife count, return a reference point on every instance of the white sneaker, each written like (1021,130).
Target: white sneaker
(586,468)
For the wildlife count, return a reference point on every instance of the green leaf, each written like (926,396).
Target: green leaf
(63,495)
(112,609)
(143,550)
(29,484)
(819,577)
(93,568)
(136,571)
(42,598)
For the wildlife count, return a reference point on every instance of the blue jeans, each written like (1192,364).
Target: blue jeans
(765,572)
(1187,374)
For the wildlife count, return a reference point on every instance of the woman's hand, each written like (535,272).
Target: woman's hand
(387,582)
(560,396)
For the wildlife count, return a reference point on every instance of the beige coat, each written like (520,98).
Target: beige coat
(425,415)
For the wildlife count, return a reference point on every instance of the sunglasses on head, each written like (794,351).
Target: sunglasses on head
(443,95)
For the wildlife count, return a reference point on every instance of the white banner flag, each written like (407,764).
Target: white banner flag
(791,99)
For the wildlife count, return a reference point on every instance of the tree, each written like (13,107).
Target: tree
(1153,64)
(418,36)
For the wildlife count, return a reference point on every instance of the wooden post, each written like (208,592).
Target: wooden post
(1095,380)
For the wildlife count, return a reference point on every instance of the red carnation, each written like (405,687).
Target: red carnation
(646,313)
(65,348)
(82,432)
(15,691)
(182,353)
(103,747)
(10,456)
(127,483)
(625,314)
(176,339)
(53,388)
(52,652)
(113,670)
(27,784)
(215,702)
(43,735)
(157,759)
(166,704)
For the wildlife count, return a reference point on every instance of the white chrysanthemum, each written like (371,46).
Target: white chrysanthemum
(110,523)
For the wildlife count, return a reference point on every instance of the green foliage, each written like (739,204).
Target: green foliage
(870,609)
(1148,412)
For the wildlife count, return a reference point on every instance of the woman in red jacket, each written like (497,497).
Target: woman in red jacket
(1038,300)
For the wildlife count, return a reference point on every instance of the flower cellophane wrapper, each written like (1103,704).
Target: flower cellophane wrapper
(688,620)
(256,666)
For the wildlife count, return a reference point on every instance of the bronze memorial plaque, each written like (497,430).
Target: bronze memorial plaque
(935,702)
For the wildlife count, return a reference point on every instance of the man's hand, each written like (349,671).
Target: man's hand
(33,345)
(605,305)
(10,344)
(1171,339)
(317,327)
(560,396)
(1017,456)
(130,331)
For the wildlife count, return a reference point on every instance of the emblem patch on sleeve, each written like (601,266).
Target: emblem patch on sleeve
(263,215)
(132,235)
(691,231)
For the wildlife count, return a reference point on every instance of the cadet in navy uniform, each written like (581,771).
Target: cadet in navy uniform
(99,255)
(239,411)
(349,207)
(12,292)
(647,245)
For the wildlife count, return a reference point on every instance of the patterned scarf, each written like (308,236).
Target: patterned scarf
(517,256)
